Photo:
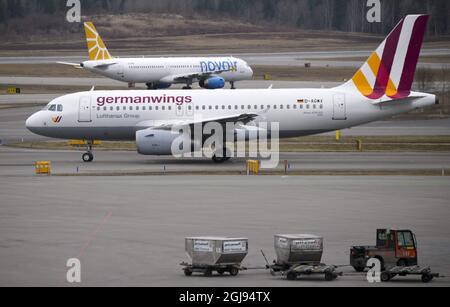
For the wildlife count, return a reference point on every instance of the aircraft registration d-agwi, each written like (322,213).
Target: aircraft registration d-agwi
(380,88)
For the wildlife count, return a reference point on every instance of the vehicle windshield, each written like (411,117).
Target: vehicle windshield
(405,239)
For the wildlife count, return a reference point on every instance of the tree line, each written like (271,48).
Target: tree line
(340,15)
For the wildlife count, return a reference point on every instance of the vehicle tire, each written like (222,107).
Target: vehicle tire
(426,278)
(221,271)
(208,273)
(187,272)
(385,276)
(330,276)
(291,275)
(88,157)
(234,271)
(359,269)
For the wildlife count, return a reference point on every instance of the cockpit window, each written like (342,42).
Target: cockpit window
(60,108)
(52,107)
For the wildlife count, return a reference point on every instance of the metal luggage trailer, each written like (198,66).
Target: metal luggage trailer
(215,254)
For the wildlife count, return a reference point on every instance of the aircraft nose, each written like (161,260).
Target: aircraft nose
(32,122)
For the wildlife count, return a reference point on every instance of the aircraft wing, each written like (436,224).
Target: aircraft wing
(105,65)
(168,125)
(191,76)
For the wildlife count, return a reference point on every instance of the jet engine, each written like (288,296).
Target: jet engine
(162,142)
(212,83)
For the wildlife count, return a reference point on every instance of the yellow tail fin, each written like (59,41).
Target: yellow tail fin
(96,47)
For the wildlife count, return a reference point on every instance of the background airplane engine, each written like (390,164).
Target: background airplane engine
(162,85)
(212,83)
(159,142)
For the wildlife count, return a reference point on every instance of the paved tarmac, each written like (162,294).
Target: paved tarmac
(129,231)
(317,58)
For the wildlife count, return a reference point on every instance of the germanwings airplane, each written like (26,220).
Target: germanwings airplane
(161,73)
(381,88)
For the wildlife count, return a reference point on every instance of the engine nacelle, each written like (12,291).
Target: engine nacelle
(162,142)
(212,83)
(162,85)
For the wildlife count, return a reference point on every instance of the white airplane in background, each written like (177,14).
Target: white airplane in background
(381,88)
(161,73)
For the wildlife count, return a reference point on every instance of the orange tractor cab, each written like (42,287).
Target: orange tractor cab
(394,248)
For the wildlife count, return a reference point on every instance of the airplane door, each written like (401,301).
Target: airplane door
(339,107)
(84,110)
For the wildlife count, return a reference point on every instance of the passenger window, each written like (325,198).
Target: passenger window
(281,107)
(301,106)
(288,107)
(229,107)
(223,107)
(307,106)
(256,107)
(144,108)
(217,107)
(60,108)
(210,107)
(104,108)
(111,108)
(295,106)
(124,108)
(262,107)
(163,108)
(197,108)
(268,107)
(131,108)
(98,108)
(242,107)
(137,108)
(275,107)
(203,107)
(314,106)
(150,108)
(170,108)
(156,108)
(321,106)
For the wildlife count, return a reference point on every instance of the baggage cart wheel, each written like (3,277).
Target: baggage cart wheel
(208,273)
(234,271)
(187,272)
(330,276)
(426,278)
(291,275)
(386,276)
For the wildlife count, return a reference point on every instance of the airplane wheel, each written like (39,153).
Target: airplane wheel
(88,157)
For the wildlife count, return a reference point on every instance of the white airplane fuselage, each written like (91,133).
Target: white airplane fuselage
(118,115)
(166,70)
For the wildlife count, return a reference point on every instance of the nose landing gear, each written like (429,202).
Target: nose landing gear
(88,156)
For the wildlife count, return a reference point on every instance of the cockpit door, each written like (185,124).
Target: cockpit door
(84,110)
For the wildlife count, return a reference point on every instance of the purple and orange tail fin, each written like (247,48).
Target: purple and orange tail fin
(390,70)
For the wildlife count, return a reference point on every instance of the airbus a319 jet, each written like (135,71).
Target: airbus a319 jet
(161,73)
(380,89)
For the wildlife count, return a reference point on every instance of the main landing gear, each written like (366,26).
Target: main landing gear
(188,86)
(232,85)
(88,156)
(224,157)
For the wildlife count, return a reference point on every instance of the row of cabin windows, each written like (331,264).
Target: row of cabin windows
(160,66)
(222,107)
(143,67)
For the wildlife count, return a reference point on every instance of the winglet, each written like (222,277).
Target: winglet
(96,48)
